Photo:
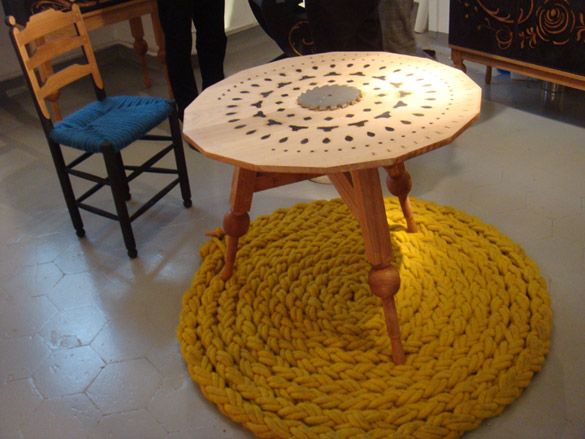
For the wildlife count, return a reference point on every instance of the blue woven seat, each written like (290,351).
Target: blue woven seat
(104,127)
(118,120)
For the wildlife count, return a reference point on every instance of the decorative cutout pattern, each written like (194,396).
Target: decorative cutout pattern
(408,104)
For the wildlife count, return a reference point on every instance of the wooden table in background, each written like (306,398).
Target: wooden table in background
(132,11)
(409,106)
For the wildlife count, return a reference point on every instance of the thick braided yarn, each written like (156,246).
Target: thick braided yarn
(295,345)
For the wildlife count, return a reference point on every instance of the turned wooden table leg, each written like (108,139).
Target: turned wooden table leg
(399,184)
(457,59)
(385,282)
(237,221)
(362,192)
(488,75)
(140,47)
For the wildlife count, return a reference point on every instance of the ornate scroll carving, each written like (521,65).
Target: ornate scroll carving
(527,24)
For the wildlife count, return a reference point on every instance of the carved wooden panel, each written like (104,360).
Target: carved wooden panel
(549,33)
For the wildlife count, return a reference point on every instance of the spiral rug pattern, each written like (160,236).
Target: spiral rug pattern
(295,345)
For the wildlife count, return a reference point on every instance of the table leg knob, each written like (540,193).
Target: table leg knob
(385,283)
(399,184)
(235,225)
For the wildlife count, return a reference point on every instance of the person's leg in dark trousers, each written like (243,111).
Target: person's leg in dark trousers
(208,17)
(369,35)
(345,24)
(398,26)
(175,17)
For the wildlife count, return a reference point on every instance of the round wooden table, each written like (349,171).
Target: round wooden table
(343,114)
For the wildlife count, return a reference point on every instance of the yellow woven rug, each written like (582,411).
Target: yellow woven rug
(295,345)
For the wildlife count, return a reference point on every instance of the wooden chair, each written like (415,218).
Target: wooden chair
(106,126)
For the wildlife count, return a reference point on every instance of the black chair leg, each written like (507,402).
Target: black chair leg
(120,164)
(118,185)
(66,187)
(180,159)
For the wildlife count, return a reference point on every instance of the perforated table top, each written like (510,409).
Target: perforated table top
(408,106)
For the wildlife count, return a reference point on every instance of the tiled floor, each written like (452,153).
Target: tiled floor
(87,342)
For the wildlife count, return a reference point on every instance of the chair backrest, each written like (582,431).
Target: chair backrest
(48,35)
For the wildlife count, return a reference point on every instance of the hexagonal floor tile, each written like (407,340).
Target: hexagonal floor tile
(76,414)
(34,280)
(74,327)
(79,289)
(21,314)
(135,424)
(180,407)
(68,371)
(18,400)
(126,338)
(124,386)
(22,357)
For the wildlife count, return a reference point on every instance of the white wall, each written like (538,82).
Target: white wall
(238,16)
(439,16)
